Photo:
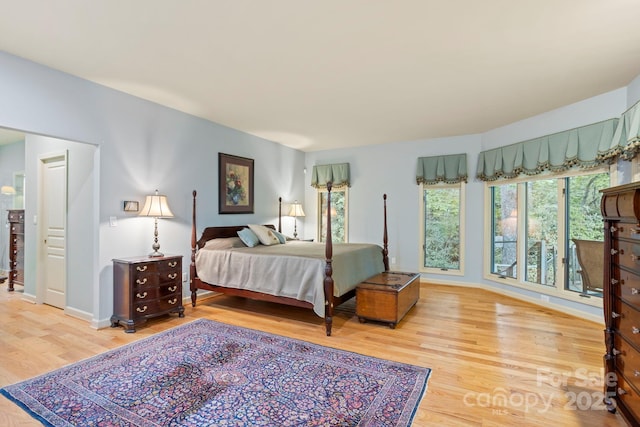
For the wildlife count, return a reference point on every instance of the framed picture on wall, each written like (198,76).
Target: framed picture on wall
(235,194)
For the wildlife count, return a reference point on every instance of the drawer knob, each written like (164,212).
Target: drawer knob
(616,352)
(144,295)
(613,229)
(635,330)
(173,301)
(614,314)
(614,281)
(173,276)
(172,288)
(143,268)
(636,373)
(635,230)
(621,391)
(141,281)
(634,291)
(635,257)
(613,251)
(173,264)
(141,310)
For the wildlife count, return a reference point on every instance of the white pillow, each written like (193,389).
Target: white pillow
(265,234)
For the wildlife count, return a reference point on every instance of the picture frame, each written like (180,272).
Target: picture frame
(235,184)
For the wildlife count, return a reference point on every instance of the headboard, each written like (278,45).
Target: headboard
(222,232)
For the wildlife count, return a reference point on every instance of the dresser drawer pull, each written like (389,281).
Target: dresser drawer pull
(614,281)
(614,314)
(144,295)
(173,264)
(141,310)
(621,391)
(635,230)
(143,268)
(172,288)
(173,301)
(173,276)
(613,229)
(636,373)
(635,330)
(634,291)
(616,352)
(141,281)
(613,251)
(635,257)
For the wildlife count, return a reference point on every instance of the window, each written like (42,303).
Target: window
(339,215)
(535,224)
(442,207)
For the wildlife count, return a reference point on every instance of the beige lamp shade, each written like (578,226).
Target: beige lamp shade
(296,210)
(8,190)
(156,206)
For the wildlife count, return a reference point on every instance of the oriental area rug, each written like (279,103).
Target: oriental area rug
(207,373)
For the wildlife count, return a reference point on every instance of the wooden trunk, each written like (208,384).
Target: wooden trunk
(387,297)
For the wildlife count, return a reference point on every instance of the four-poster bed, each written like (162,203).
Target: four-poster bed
(302,274)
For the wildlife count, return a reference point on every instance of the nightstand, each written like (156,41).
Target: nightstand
(145,287)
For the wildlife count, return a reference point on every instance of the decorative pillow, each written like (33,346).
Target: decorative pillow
(248,237)
(281,237)
(265,234)
(224,243)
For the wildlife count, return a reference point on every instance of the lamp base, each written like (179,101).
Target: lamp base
(156,254)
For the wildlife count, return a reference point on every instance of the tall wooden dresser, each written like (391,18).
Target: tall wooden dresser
(621,213)
(16,248)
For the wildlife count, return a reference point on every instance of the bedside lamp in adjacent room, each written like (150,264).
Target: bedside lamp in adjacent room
(156,206)
(296,211)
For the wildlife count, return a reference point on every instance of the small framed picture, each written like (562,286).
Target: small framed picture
(130,206)
(235,193)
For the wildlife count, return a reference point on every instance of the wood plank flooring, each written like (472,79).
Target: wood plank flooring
(496,361)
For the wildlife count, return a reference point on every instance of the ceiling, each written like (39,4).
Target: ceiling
(338,73)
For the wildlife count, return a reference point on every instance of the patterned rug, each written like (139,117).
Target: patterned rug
(206,373)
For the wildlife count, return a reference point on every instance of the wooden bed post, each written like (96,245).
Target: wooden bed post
(385,239)
(328,268)
(279,214)
(192,266)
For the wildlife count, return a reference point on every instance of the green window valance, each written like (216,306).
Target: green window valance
(337,174)
(450,169)
(586,146)
(626,139)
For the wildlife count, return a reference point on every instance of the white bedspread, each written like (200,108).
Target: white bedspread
(294,270)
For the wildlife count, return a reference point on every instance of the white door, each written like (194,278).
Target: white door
(53,214)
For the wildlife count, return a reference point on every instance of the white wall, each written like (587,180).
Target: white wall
(141,147)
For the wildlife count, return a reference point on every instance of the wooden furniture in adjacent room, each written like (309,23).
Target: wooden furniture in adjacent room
(16,248)
(621,212)
(145,287)
(387,297)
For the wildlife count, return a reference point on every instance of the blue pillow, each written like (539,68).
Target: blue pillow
(280,236)
(248,237)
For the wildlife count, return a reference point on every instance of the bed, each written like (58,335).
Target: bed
(319,276)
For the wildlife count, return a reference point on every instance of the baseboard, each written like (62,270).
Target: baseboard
(547,304)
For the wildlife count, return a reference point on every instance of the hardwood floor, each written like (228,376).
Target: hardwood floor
(496,361)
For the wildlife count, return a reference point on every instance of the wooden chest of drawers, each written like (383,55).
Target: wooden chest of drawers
(621,212)
(145,287)
(387,297)
(16,248)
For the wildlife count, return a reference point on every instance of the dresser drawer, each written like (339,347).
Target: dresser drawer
(169,265)
(152,307)
(627,361)
(626,253)
(626,231)
(17,228)
(628,397)
(627,287)
(15,216)
(626,320)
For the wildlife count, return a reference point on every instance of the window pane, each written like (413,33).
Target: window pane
(542,231)
(504,236)
(585,223)
(338,216)
(441,228)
